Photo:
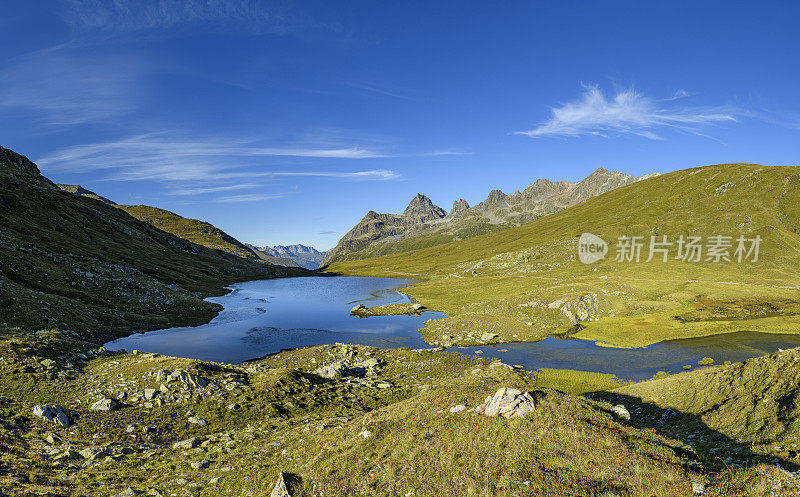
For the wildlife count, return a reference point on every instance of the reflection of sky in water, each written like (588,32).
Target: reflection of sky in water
(263,317)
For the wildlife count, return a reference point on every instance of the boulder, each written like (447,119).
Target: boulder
(54,414)
(202,464)
(488,337)
(280,490)
(190,443)
(508,403)
(621,412)
(197,421)
(418,307)
(106,404)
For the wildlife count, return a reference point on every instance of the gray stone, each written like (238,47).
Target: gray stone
(128,492)
(197,421)
(187,444)
(488,337)
(91,453)
(458,408)
(358,308)
(280,489)
(150,393)
(202,464)
(621,412)
(54,414)
(508,403)
(418,307)
(104,405)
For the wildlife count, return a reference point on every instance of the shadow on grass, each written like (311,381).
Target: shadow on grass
(715,450)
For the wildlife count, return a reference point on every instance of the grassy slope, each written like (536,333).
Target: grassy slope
(199,232)
(293,421)
(72,262)
(503,281)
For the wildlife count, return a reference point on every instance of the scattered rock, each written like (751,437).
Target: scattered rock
(280,489)
(365,434)
(488,337)
(128,492)
(106,404)
(621,412)
(53,439)
(418,307)
(197,421)
(508,403)
(190,443)
(54,414)
(698,488)
(458,408)
(202,464)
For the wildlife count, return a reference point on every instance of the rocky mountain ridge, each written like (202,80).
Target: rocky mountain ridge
(424,224)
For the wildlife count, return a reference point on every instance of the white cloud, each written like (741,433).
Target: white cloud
(628,112)
(129,16)
(201,167)
(249,197)
(213,189)
(64,87)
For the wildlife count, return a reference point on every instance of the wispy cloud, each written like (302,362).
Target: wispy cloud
(249,197)
(64,87)
(627,112)
(213,189)
(130,16)
(203,167)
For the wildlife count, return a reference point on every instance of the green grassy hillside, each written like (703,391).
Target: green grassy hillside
(525,283)
(390,433)
(71,262)
(199,232)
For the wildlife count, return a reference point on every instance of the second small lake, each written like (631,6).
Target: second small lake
(263,317)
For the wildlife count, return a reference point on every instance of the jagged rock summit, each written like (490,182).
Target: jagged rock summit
(424,224)
(422,210)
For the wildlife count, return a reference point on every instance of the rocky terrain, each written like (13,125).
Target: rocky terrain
(424,224)
(335,420)
(299,255)
(79,264)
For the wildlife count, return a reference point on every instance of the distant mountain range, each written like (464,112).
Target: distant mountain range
(424,224)
(301,255)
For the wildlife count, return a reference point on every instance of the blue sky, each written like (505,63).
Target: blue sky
(284,122)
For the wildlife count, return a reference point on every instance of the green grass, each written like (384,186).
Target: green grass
(71,262)
(504,281)
(199,232)
(293,421)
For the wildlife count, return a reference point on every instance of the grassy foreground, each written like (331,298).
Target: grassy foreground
(525,283)
(388,432)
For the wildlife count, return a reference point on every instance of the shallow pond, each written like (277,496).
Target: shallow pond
(263,317)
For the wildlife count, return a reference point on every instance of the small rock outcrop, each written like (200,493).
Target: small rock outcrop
(621,412)
(280,490)
(106,404)
(508,403)
(54,414)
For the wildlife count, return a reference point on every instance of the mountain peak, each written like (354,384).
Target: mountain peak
(459,207)
(421,209)
(83,192)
